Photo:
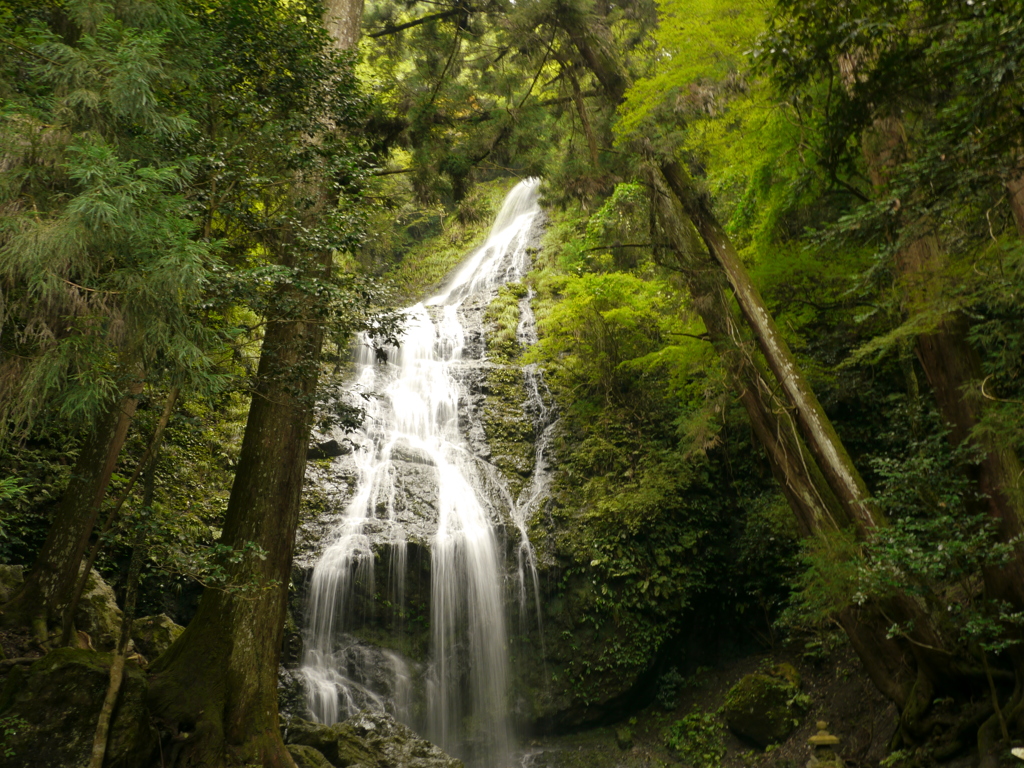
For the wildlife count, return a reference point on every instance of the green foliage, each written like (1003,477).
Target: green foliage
(502,318)
(647,487)
(98,253)
(37,474)
(701,45)
(698,739)
(938,544)
(669,685)
(10,726)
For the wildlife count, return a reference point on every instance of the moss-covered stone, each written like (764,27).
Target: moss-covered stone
(624,737)
(371,740)
(49,713)
(154,634)
(764,709)
(510,433)
(11,576)
(98,614)
(307,757)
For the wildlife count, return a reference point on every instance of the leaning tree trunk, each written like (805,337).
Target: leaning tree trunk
(904,669)
(50,584)
(815,427)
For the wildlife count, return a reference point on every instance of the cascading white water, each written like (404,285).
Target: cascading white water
(415,417)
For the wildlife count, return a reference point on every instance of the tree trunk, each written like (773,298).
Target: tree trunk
(50,584)
(815,427)
(218,683)
(892,664)
(343,20)
(102,733)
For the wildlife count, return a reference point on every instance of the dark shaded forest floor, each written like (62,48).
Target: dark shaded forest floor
(839,692)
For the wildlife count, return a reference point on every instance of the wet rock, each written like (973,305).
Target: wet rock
(50,711)
(98,614)
(153,635)
(291,694)
(765,708)
(404,452)
(371,740)
(329,449)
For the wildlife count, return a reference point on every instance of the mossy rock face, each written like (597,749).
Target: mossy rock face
(98,614)
(153,635)
(370,740)
(50,710)
(764,709)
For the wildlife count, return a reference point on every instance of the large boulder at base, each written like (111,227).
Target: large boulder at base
(98,614)
(369,740)
(49,713)
(153,635)
(765,708)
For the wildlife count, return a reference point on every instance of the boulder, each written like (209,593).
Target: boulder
(369,740)
(11,576)
(153,635)
(327,450)
(765,708)
(49,712)
(307,757)
(98,614)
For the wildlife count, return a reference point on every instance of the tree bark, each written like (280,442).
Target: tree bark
(343,20)
(83,577)
(815,427)
(893,665)
(50,584)
(218,682)
(102,733)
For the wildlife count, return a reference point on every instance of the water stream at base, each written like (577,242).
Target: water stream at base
(459,696)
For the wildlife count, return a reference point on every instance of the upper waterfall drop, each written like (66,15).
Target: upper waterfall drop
(458,695)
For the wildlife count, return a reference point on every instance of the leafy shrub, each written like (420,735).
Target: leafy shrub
(697,739)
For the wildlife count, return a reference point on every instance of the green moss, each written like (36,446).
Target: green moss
(765,709)
(425,265)
(57,701)
(510,434)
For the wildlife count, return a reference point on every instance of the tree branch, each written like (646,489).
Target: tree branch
(390,30)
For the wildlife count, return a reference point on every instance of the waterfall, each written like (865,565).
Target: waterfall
(412,431)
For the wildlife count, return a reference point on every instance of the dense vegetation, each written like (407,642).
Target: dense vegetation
(778,301)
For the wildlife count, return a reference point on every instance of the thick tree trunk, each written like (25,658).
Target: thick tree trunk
(343,20)
(50,584)
(218,683)
(219,680)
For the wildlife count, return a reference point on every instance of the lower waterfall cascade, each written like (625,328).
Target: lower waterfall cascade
(457,694)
